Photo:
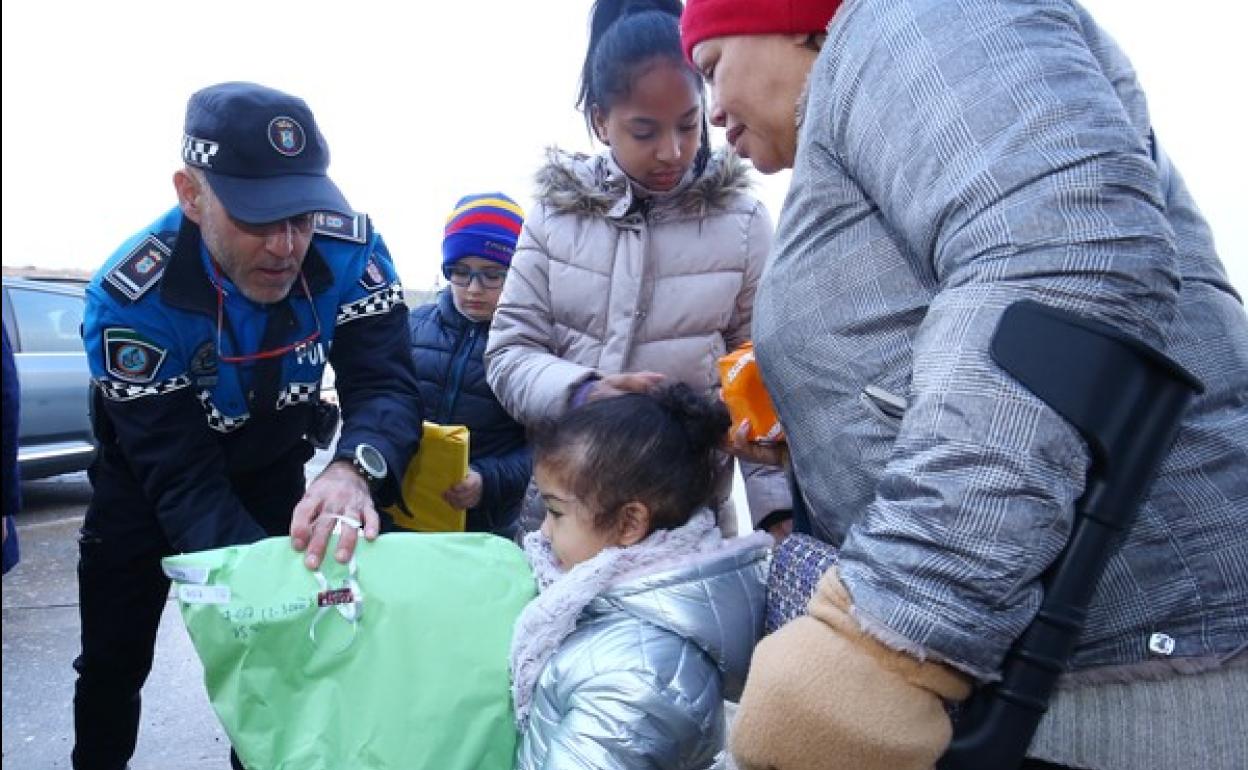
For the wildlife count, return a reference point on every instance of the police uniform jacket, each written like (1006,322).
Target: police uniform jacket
(213,451)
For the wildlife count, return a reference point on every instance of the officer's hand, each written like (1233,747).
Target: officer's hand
(338,491)
(466,494)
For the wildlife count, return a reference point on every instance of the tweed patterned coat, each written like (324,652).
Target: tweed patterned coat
(955,158)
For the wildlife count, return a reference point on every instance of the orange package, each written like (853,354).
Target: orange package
(746,397)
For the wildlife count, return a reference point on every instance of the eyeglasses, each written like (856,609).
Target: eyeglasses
(491,277)
(272,352)
(300,225)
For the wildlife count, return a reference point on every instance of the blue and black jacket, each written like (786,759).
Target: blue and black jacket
(448,350)
(12,488)
(208,453)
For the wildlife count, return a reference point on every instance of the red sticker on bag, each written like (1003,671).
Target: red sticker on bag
(335,596)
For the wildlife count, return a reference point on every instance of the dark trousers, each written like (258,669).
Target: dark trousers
(120,604)
(121,598)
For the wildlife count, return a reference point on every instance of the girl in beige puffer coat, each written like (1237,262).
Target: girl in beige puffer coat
(639,264)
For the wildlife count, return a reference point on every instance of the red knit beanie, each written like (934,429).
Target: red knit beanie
(705,19)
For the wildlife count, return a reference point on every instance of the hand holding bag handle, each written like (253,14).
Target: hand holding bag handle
(347,599)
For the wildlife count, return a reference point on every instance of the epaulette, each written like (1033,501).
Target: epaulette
(140,270)
(353,228)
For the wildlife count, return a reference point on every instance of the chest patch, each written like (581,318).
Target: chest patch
(139,271)
(129,357)
(353,228)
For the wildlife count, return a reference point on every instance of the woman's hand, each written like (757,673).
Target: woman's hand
(742,448)
(781,529)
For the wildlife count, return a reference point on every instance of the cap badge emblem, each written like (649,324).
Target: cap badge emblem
(286,136)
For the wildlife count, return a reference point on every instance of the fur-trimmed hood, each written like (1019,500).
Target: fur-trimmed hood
(594,185)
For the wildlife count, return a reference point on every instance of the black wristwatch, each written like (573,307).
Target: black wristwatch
(370,463)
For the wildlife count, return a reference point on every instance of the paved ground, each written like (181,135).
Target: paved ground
(40,633)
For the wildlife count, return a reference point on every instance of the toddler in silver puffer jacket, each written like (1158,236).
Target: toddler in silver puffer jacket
(646,615)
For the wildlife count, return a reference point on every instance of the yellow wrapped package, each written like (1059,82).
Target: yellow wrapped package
(441,463)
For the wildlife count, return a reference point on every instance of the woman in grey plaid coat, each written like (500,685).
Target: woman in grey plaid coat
(949,160)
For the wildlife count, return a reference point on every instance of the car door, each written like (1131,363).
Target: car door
(51,365)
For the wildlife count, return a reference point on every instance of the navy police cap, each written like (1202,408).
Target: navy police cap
(261,151)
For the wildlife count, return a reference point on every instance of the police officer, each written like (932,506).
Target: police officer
(207,334)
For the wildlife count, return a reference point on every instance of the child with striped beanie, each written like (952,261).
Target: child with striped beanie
(448,347)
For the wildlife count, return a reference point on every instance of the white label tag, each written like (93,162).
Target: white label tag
(187,574)
(204,594)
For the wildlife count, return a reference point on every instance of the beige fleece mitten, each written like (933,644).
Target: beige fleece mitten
(822,694)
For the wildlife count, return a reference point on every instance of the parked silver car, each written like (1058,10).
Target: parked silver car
(44,318)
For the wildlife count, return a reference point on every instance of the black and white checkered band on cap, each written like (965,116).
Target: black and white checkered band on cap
(198,152)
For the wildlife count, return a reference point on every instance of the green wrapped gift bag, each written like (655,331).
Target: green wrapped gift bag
(397,660)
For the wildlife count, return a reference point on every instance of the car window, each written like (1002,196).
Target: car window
(47,322)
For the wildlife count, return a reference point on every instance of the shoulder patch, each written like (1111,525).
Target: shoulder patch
(372,278)
(353,228)
(140,270)
(129,357)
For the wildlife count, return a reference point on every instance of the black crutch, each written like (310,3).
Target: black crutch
(1127,400)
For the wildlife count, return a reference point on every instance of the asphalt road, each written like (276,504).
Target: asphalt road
(40,630)
(41,638)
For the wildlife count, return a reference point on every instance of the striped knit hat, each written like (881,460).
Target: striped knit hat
(486,225)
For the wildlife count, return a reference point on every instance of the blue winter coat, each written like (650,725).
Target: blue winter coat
(12,491)
(449,350)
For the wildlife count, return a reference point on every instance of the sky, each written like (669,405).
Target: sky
(422,103)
